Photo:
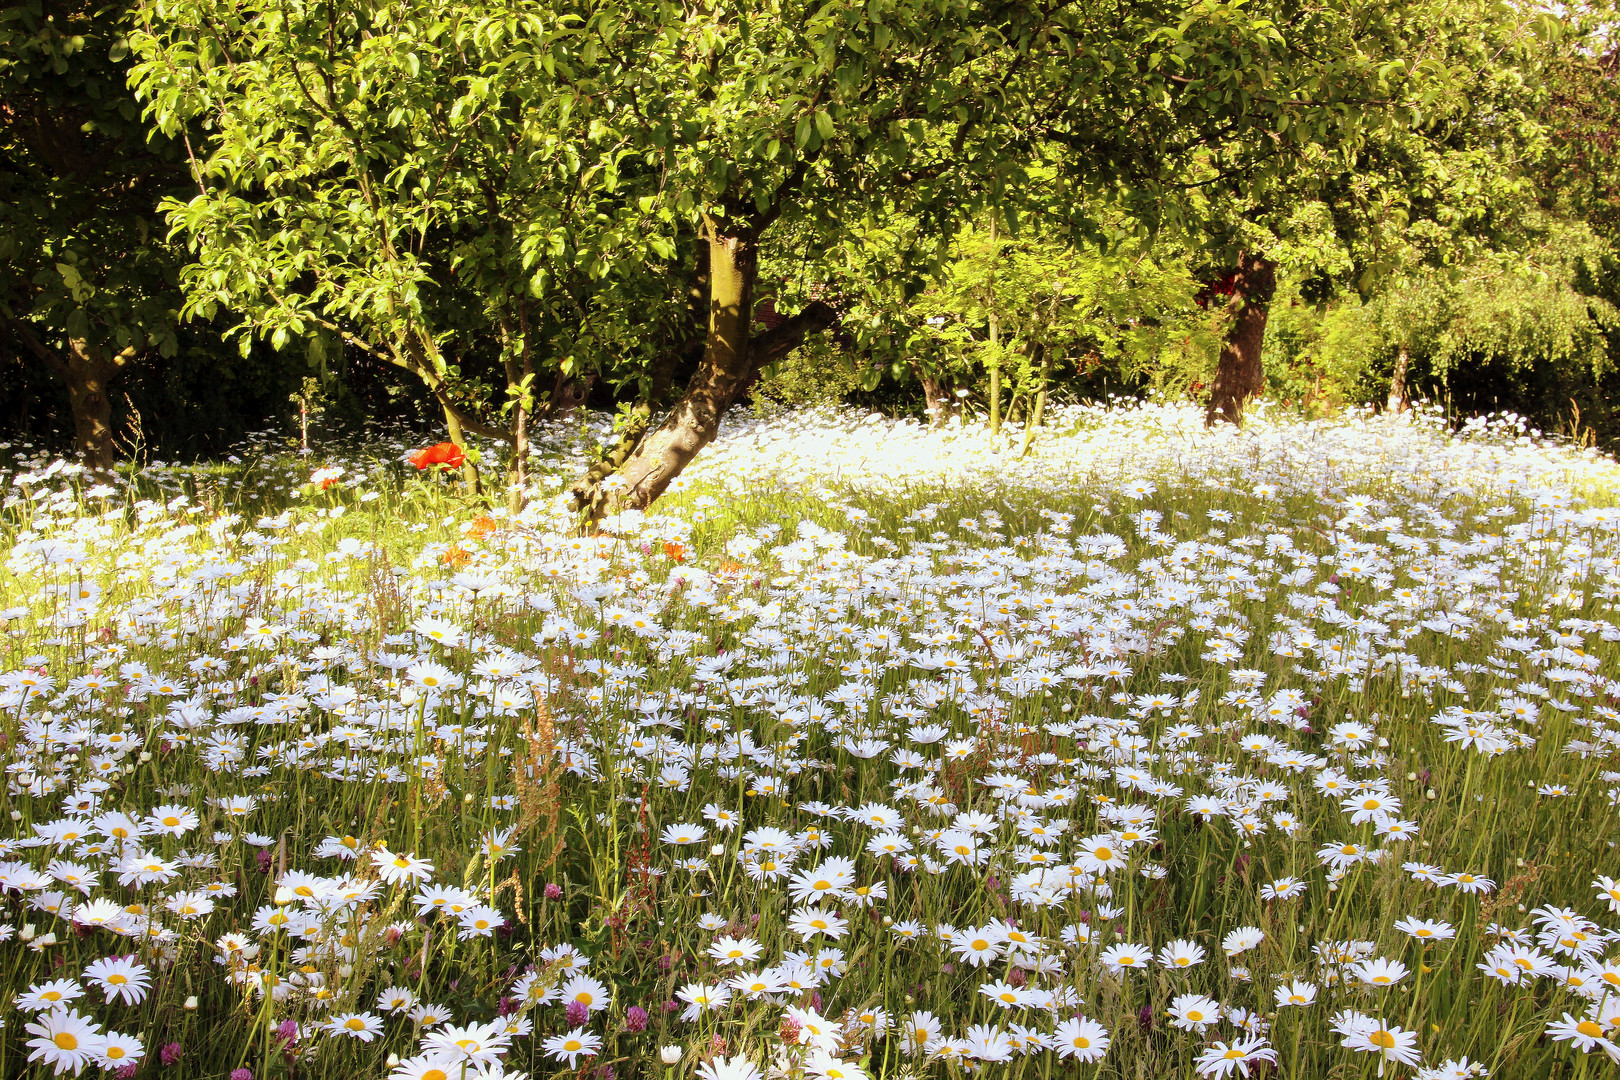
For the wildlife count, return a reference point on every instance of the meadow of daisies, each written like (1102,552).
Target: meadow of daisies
(871,751)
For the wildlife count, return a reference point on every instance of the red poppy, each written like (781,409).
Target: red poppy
(447,454)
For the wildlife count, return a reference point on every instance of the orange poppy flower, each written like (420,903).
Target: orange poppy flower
(447,454)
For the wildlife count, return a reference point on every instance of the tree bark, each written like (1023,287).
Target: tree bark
(1239,375)
(1037,415)
(731,359)
(695,420)
(1399,399)
(88,375)
(519,364)
(995,342)
(87,369)
(937,396)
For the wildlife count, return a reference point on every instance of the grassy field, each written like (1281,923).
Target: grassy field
(1156,753)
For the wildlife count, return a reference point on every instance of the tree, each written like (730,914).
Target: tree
(419,177)
(1428,169)
(88,285)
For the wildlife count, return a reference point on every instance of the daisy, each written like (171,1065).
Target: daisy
(474,1044)
(121,978)
(64,1040)
(1194,1012)
(701,998)
(1181,954)
(573,1045)
(42,997)
(586,991)
(1081,1038)
(362,1026)
(736,1067)
(1241,940)
(119,1051)
(430,1067)
(1221,1059)
(1426,929)
(1295,993)
(1125,957)
(1390,1043)
(400,869)
(734,951)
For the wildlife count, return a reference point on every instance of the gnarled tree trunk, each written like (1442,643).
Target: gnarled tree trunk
(1239,375)
(731,360)
(695,420)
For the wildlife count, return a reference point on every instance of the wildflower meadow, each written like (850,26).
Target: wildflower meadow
(871,750)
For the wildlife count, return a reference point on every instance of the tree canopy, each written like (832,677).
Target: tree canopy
(516,206)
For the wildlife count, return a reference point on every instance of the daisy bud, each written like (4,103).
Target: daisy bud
(393,1061)
(284,895)
(191,1003)
(669,1055)
(16,815)
(27,933)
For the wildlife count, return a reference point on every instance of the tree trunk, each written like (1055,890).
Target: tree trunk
(1399,401)
(1239,374)
(995,342)
(940,403)
(995,386)
(516,356)
(695,420)
(87,369)
(87,377)
(731,359)
(1037,415)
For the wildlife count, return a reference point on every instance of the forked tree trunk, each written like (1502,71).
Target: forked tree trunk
(695,420)
(1239,375)
(1037,415)
(730,361)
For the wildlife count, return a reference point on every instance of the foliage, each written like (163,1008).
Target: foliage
(82,252)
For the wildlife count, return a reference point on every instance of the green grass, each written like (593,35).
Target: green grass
(1003,582)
